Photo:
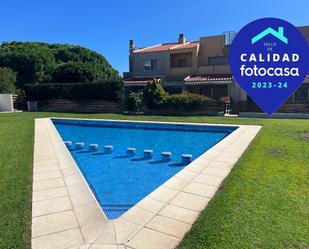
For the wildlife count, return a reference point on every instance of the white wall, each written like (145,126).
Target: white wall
(6,103)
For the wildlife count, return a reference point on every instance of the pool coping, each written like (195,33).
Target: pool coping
(66,214)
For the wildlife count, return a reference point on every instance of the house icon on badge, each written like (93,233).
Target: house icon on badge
(270,31)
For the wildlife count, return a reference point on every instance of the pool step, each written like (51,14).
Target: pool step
(68,144)
(93,147)
(108,149)
(166,155)
(131,152)
(148,154)
(186,158)
(79,145)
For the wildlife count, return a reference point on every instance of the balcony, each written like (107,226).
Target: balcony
(181,64)
(181,70)
(219,69)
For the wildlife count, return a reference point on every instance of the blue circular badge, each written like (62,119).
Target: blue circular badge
(269,59)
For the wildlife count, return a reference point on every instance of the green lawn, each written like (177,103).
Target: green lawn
(264,203)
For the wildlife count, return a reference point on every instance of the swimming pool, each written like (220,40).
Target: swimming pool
(119,181)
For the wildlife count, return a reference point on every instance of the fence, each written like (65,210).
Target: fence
(299,106)
(85,106)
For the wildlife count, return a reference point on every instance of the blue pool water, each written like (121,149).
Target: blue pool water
(119,182)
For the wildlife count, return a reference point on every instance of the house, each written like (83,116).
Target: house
(197,66)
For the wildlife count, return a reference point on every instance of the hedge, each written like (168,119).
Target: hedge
(109,90)
(185,101)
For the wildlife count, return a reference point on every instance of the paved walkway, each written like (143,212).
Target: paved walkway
(66,215)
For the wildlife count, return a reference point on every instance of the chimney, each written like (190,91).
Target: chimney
(131,46)
(131,55)
(181,39)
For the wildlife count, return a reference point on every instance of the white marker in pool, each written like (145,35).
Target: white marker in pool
(166,155)
(148,154)
(186,158)
(108,148)
(93,147)
(79,145)
(131,152)
(68,144)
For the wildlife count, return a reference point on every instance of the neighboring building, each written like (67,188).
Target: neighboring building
(196,66)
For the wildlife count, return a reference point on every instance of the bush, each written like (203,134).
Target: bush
(109,90)
(134,101)
(154,93)
(185,100)
(7,80)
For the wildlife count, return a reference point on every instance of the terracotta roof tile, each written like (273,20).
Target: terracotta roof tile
(212,79)
(168,47)
(187,45)
(156,48)
(138,81)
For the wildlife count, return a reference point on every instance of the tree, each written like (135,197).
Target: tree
(7,80)
(73,72)
(101,69)
(32,62)
(36,62)
(154,93)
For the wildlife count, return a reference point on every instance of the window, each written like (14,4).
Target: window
(147,65)
(151,65)
(220,60)
(182,63)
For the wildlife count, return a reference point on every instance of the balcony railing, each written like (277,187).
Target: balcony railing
(181,70)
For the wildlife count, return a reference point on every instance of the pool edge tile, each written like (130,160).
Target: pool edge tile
(50,151)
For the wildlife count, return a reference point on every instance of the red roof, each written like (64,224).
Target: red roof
(212,79)
(138,81)
(191,79)
(168,47)
(187,45)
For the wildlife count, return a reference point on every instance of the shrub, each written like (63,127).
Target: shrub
(154,93)
(134,101)
(109,90)
(185,100)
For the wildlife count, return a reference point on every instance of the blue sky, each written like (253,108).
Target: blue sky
(107,26)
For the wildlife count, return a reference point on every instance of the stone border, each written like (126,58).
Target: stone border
(66,215)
